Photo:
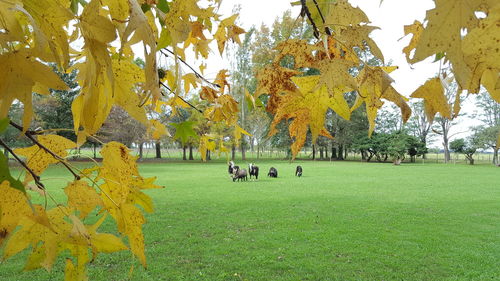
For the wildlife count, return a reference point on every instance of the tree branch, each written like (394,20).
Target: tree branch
(168,88)
(190,67)
(35,176)
(29,134)
(305,11)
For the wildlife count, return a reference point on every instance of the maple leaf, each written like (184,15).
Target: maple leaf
(37,159)
(157,129)
(184,131)
(221,80)
(138,25)
(48,19)
(190,80)
(227,30)
(223,110)
(434,99)
(21,74)
(302,52)
(274,79)
(342,14)
(206,144)
(392,95)
(82,197)
(335,75)
(481,49)
(238,131)
(416,29)
(308,110)
(355,36)
(373,82)
(13,206)
(442,34)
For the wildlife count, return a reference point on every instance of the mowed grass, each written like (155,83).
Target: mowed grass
(340,221)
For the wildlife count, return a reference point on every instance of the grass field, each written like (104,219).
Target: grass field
(340,221)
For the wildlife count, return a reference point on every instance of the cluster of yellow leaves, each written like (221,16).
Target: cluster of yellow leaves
(307,99)
(466,34)
(115,189)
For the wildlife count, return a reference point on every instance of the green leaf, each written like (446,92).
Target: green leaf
(438,56)
(165,39)
(145,8)
(184,131)
(5,174)
(4,123)
(163,6)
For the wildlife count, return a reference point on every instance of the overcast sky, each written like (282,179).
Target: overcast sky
(391,17)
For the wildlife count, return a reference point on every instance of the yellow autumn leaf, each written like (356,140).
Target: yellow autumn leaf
(138,25)
(335,76)
(82,197)
(238,131)
(341,14)
(38,159)
(190,80)
(133,220)
(156,129)
(373,82)
(434,99)
(127,77)
(19,80)
(308,110)
(227,30)
(13,206)
(416,29)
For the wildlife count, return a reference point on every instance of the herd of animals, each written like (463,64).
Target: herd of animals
(238,174)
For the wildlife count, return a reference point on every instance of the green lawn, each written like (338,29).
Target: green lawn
(340,221)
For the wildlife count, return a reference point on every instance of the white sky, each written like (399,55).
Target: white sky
(391,17)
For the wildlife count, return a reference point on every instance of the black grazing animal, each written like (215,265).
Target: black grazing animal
(253,171)
(232,168)
(273,173)
(240,174)
(298,171)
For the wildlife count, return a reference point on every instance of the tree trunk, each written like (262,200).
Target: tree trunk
(320,152)
(495,155)
(158,149)
(345,153)
(141,145)
(340,152)
(184,152)
(334,152)
(470,158)
(326,152)
(447,154)
(233,152)
(314,152)
(363,155)
(208,155)
(191,152)
(243,148)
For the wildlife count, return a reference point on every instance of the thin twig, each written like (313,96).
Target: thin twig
(57,157)
(327,30)
(35,176)
(305,11)
(194,107)
(194,71)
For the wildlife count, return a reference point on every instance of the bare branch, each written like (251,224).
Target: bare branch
(190,67)
(29,134)
(35,176)
(168,88)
